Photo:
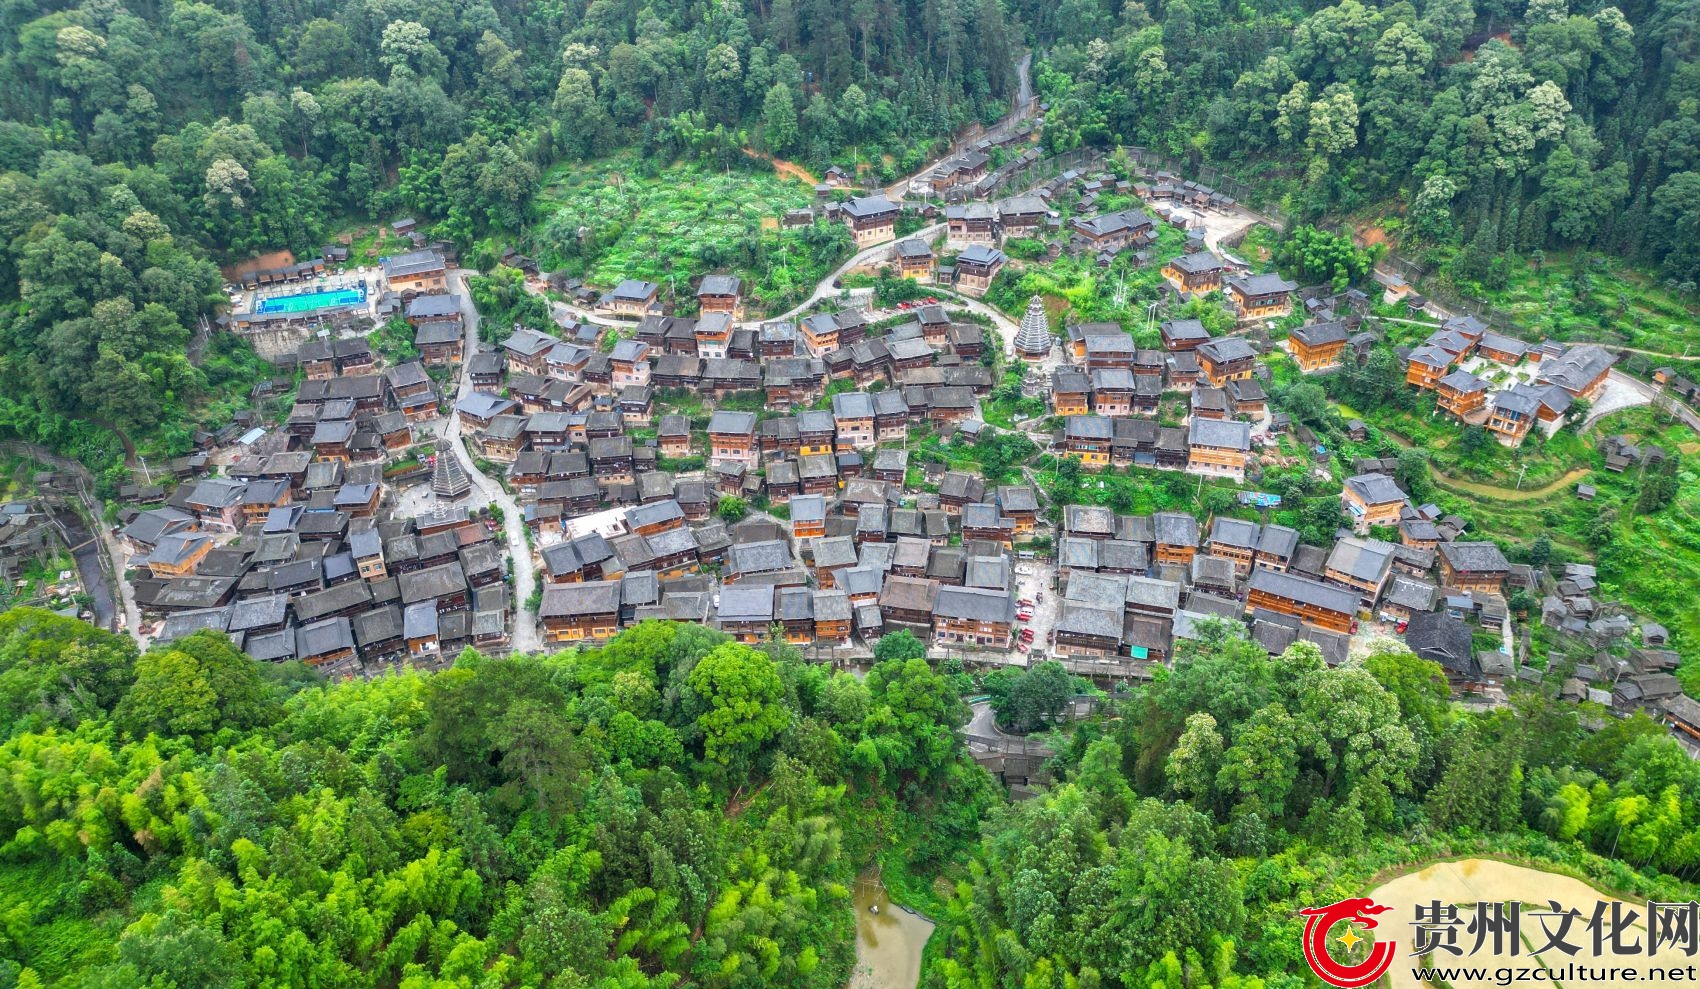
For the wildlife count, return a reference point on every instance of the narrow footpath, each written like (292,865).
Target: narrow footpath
(490,491)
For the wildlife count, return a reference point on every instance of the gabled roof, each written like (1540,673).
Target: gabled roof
(909,593)
(1267,284)
(719,285)
(1320,334)
(1110,223)
(599,597)
(1198,263)
(1369,560)
(1278,541)
(1175,529)
(323,638)
(217,492)
(759,557)
(1223,350)
(853,405)
(974,604)
(1022,206)
(1184,329)
(1411,594)
(1519,399)
(1017,498)
(1152,595)
(1464,382)
(913,248)
(1375,489)
(1087,427)
(1501,342)
(176,548)
(1225,434)
(1294,588)
(733,423)
(858,207)
(1476,557)
(1431,356)
(981,255)
(528,342)
(483,405)
(412,263)
(1437,636)
(433,306)
(1577,367)
(149,526)
(634,290)
(1226,531)
(1085,619)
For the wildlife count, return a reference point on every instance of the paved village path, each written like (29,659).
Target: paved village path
(1025,107)
(117,556)
(525,637)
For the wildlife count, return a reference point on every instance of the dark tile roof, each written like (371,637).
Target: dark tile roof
(1296,588)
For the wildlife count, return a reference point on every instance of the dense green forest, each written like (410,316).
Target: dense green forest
(673,805)
(1499,127)
(677,809)
(140,142)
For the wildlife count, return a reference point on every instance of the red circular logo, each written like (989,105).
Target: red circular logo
(1357,911)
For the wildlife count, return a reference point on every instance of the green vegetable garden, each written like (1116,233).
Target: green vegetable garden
(621,218)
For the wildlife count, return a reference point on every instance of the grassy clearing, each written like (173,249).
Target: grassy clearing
(1649,562)
(1485,467)
(51,941)
(1258,248)
(1075,289)
(673,225)
(1583,296)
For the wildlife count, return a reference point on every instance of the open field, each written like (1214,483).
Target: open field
(608,221)
(1487,469)
(1650,562)
(1584,296)
(1471,881)
(1075,289)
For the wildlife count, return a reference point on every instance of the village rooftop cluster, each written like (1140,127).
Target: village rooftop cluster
(618,447)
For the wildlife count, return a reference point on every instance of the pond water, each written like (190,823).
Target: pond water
(889,941)
(1470,881)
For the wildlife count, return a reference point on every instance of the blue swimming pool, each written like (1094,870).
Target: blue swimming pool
(308,301)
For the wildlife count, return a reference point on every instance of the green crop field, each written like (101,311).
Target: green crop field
(1075,289)
(1649,561)
(608,221)
(1581,296)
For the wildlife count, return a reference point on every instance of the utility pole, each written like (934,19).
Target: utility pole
(1523,470)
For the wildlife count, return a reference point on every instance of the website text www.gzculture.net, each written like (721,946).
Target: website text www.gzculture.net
(1565,974)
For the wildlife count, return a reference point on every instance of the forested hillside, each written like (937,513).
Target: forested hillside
(672,806)
(1503,127)
(1240,788)
(141,141)
(677,809)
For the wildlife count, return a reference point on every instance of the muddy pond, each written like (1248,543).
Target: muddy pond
(1470,881)
(889,939)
